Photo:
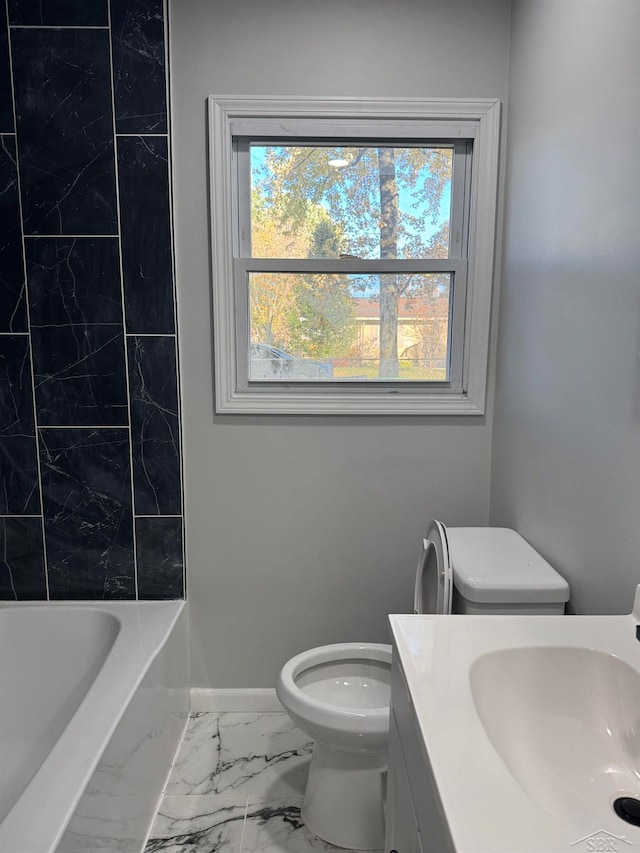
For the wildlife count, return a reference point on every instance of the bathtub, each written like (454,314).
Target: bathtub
(93,704)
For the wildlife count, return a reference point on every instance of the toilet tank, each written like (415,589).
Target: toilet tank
(496,571)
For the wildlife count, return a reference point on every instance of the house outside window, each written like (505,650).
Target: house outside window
(352,254)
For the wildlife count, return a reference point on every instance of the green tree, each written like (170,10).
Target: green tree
(322,322)
(271,295)
(311,316)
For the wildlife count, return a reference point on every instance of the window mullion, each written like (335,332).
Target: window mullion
(347,267)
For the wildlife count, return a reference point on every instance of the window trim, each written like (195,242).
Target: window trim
(241,116)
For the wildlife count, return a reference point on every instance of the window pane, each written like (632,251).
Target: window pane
(321,327)
(381,201)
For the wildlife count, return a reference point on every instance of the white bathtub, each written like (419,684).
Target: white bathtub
(93,703)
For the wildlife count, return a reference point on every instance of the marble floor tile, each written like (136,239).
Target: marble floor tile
(262,754)
(274,826)
(198,824)
(237,787)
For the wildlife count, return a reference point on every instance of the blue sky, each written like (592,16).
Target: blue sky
(405,198)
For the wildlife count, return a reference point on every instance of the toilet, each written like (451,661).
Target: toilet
(339,694)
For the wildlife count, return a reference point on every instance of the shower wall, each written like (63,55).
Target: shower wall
(90,460)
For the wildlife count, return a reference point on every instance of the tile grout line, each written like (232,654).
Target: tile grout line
(126,334)
(244,824)
(122,299)
(82,426)
(71,236)
(51,26)
(17,515)
(159,515)
(45,560)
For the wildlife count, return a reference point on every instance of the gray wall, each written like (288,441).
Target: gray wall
(302,531)
(566,445)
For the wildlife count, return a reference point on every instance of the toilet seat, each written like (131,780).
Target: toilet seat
(434,580)
(335,722)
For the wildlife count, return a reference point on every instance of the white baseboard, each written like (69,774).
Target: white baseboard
(262,700)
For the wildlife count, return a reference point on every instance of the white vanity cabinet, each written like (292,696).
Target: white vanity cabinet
(402,833)
(415,821)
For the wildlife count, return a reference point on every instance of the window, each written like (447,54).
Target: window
(352,256)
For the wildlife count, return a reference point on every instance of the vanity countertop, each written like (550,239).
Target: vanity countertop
(529,726)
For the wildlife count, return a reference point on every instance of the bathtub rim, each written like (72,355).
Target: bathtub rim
(144,628)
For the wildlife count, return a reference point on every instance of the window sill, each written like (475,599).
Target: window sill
(292,402)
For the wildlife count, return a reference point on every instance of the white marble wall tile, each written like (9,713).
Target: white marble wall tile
(111,824)
(198,824)
(261,754)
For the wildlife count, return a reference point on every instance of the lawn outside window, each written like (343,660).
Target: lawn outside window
(352,254)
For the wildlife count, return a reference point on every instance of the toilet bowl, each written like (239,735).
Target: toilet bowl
(339,694)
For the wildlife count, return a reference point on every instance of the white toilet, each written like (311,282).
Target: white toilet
(339,694)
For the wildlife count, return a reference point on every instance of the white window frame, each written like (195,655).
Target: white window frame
(232,117)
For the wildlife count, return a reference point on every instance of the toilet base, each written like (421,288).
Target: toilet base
(344,800)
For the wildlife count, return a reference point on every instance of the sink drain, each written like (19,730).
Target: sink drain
(628,808)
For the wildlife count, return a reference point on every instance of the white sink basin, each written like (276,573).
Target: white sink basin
(530,726)
(565,721)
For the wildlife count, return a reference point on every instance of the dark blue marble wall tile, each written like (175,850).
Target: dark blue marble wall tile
(21,559)
(65,122)
(62,84)
(74,281)
(79,376)
(19,490)
(146,234)
(159,558)
(87,510)
(139,66)
(13,315)
(6,99)
(16,411)
(154,425)
(59,13)
(77,331)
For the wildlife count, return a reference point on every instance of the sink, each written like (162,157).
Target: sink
(565,721)
(528,727)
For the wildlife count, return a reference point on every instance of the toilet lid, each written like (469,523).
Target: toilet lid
(434,584)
